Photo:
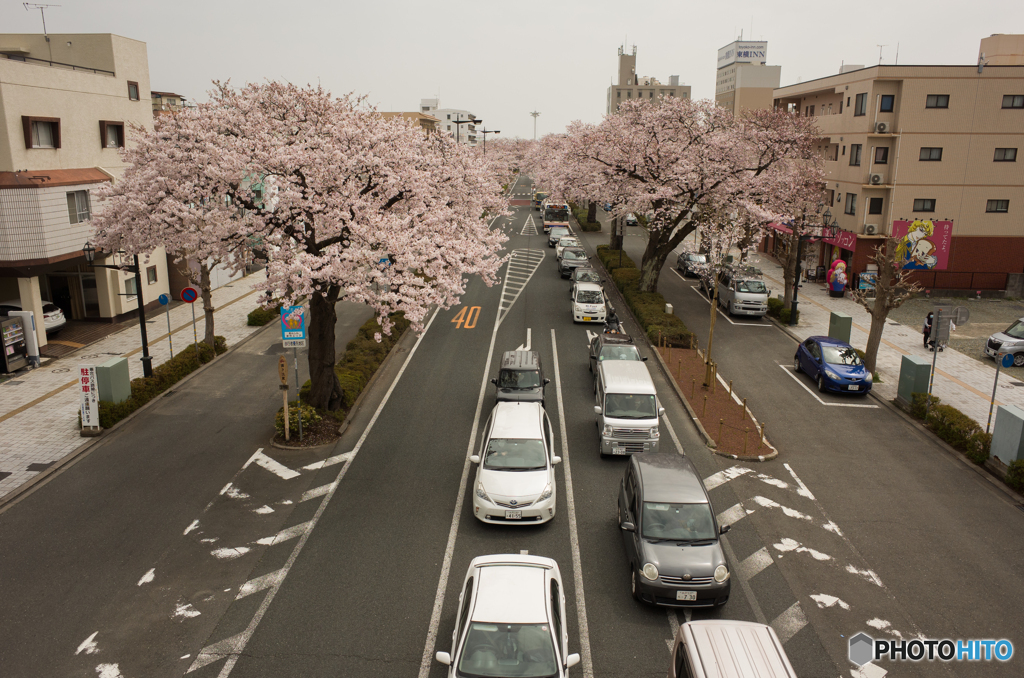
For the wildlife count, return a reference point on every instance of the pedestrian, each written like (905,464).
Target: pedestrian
(927,329)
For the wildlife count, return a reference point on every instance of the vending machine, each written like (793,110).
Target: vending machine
(15,350)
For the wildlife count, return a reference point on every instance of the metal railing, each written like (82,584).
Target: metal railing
(57,64)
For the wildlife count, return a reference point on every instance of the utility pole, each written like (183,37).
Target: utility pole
(485,132)
(535,114)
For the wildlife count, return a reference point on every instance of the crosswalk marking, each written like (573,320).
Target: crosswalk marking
(722,477)
(260,583)
(733,515)
(789,623)
(753,564)
(285,534)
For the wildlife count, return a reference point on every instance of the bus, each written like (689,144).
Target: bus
(538,199)
(554,213)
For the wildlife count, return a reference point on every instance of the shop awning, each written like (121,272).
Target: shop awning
(846,240)
(780,227)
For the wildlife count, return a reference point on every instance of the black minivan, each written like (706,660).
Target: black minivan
(520,377)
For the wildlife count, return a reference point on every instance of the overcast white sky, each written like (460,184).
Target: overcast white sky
(503,60)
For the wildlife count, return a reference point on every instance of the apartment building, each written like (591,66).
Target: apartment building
(66,104)
(457,122)
(425,121)
(632,86)
(744,80)
(167,102)
(931,149)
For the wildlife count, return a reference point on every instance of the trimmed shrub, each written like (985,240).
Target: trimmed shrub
(590,227)
(610,258)
(774,306)
(979,447)
(919,404)
(624,277)
(261,316)
(1015,475)
(295,410)
(952,425)
(784,315)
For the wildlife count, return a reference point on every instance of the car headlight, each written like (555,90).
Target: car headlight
(869,378)
(546,494)
(655,433)
(832,375)
(577,308)
(607,429)
(481,492)
(649,571)
(721,573)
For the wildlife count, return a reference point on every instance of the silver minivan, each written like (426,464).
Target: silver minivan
(743,292)
(1010,340)
(627,408)
(720,648)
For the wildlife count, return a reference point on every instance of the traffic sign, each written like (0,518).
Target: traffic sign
(282,369)
(1007,360)
(293,326)
(164,299)
(189,294)
(961,314)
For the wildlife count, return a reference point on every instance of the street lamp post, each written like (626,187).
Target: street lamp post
(90,257)
(485,132)
(459,122)
(828,230)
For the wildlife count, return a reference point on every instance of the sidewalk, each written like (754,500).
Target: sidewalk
(39,409)
(960,381)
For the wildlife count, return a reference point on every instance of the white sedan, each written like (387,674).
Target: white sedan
(510,620)
(588,303)
(567,241)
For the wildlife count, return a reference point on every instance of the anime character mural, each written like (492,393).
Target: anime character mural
(924,244)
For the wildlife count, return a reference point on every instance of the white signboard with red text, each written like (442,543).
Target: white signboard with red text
(89,396)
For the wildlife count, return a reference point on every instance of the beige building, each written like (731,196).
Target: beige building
(937,143)
(167,102)
(744,80)
(426,121)
(65,109)
(632,86)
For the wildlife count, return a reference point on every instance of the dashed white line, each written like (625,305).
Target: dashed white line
(288,533)
(88,645)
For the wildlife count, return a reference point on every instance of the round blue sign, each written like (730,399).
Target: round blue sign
(1007,360)
(164,299)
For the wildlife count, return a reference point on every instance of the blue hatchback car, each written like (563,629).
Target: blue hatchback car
(834,364)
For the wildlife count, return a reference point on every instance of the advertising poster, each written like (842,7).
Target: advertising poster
(923,244)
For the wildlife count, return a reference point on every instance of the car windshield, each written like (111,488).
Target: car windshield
(619,353)
(697,258)
(628,406)
(751,286)
(587,275)
(574,255)
(1016,330)
(508,650)
(518,379)
(515,454)
(554,214)
(683,522)
(840,355)
(588,297)
(568,242)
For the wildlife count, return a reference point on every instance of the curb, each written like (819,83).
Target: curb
(80,452)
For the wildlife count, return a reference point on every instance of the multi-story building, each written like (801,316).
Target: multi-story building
(927,144)
(633,86)
(426,121)
(453,121)
(744,80)
(167,102)
(66,103)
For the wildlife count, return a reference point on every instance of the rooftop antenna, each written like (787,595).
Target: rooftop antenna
(897,54)
(880,53)
(42,12)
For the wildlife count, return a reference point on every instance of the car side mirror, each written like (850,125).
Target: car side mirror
(475,458)
(628,527)
(661,411)
(547,381)
(724,528)
(572,660)
(597,409)
(444,658)
(556,460)
(494,381)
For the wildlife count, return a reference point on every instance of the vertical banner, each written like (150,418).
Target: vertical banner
(89,398)
(293,326)
(923,245)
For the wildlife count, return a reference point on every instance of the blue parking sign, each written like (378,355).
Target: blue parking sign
(293,326)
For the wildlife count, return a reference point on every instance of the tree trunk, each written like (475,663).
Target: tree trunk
(660,243)
(325,392)
(591,212)
(788,261)
(207,293)
(615,241)
(878,316)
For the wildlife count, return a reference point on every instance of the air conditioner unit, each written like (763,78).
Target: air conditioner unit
(881,127)
(870,229)
(876,179)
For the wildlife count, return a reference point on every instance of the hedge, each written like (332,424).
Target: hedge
(1015,475)
(777,309)
(308,412)
(261,316)
(954,427)
(164,376)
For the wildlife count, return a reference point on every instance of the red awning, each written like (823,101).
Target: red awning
(780,227)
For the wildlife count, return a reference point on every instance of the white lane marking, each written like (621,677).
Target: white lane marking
(879,624)
(732,515)
(272,465)
(525,347)
(260,583)
(590,337)
(109,671)
(531,261)
(330,461)
(792,513)
(88,645)
(673,625)
(824,600)
(753,564)
(244,636)
(530,227)
(574,539)
(796,378)
(803,488)
(185,611)
(230,553)
(788,623)
(263,510)
(722,477)
(869,575)
(453,530)
(832,527)
(870,670)
(315,492)
(223,648)
(233,492)
(760,323)
(673,436)
(781,484)
(148,577)
(786,545)
(193,525)
(288,533)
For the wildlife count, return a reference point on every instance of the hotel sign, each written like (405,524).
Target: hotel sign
(743,52)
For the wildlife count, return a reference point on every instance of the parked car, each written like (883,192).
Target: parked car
(53,317)
(711,648)
(511,620)
(588,306)
(584,274)
(741,291)
(607,207)
(515,475)
(566,241)
(571,259)
(833,364)
(631,220)
(688,263)
(520,378)
(671,535)
(1010,340)
(556,234)
(609,346)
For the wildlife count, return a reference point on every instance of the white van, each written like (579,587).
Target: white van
(741,291)
(627,408)
(720,648)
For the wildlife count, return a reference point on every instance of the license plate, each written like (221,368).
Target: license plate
(586,317)
(854,387)
(513,515)
(686,595)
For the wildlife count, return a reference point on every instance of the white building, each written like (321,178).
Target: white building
(457,122)
(744,80)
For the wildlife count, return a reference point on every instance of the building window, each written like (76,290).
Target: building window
(924,205)
(130,290)
(861,107)
(928,153)
(937,101)
(855,154)
(449,117)
(840,106)
(851,203)
(449,128)
(151,274)
(629,94)
(111,134)
(133,91)
(1013,101)
(618,94)
(881,155)
(1006,155)
(78,207)
(888,102)
(875,206)
(847,102)
(997,206)
(41,132)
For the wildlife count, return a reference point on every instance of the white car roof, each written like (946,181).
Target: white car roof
(627,376)
(511,593)
(735,649)
(517,420)
(588,286)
